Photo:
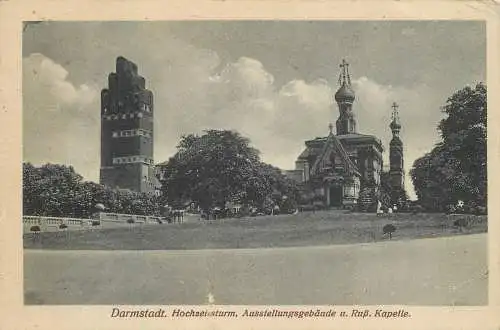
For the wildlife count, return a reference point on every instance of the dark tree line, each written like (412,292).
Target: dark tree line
(57,190)
(456,168)
(208,170)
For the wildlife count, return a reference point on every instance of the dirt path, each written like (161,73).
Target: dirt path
(438,271)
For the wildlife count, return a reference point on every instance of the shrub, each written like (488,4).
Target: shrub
(96,223)
(35,229)
(459,210)
(288,206)
(159,221)
(450,209)
(467,209)
(63,226)
(389,229)
(243,212)
(481,210)
(130,221)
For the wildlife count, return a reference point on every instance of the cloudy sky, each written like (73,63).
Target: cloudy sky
(273,81)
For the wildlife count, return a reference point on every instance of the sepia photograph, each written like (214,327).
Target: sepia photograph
(255,162)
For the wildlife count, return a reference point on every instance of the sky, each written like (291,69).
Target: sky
(273,81)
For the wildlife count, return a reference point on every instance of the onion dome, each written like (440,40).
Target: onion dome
(395,124)
(345,94)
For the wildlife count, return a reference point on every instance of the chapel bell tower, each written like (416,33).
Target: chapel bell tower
(346,123)
(396,172)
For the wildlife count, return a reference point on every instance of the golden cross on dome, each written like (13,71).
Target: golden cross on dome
(395,107)
(344,75)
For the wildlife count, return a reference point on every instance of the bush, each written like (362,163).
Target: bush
(63,226)
(467,209)
(35,229)
(130,221)
(243,212)
(288,206)
(450,209)
(96,223)
(481,210)
(389,229)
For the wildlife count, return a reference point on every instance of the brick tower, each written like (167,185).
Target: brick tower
(127,130)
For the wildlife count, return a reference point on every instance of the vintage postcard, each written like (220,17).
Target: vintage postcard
(249,164)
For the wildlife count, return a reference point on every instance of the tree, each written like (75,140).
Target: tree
(456,168)
(389,229)
(57,190)
(49,189)
(217,167)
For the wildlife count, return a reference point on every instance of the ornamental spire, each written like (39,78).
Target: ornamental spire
(395,125)
(395,113)
(344,77)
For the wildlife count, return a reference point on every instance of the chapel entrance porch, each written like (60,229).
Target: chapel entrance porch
(334,196)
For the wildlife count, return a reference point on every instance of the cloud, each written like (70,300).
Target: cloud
(48,79)
(57,124)
(195,91)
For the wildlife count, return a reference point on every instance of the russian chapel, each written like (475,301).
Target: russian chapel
(340,167)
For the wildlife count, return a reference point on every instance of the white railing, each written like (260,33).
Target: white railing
(120,217)
(54,221)
(102,219)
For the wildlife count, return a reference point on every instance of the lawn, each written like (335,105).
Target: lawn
(303,229)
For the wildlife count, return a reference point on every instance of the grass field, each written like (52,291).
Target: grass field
(303,229)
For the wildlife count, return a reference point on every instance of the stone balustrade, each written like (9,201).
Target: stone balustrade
(98,221)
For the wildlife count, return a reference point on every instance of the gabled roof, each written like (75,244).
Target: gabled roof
(332,143)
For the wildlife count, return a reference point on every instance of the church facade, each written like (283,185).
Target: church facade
(127,113)
(341,167)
